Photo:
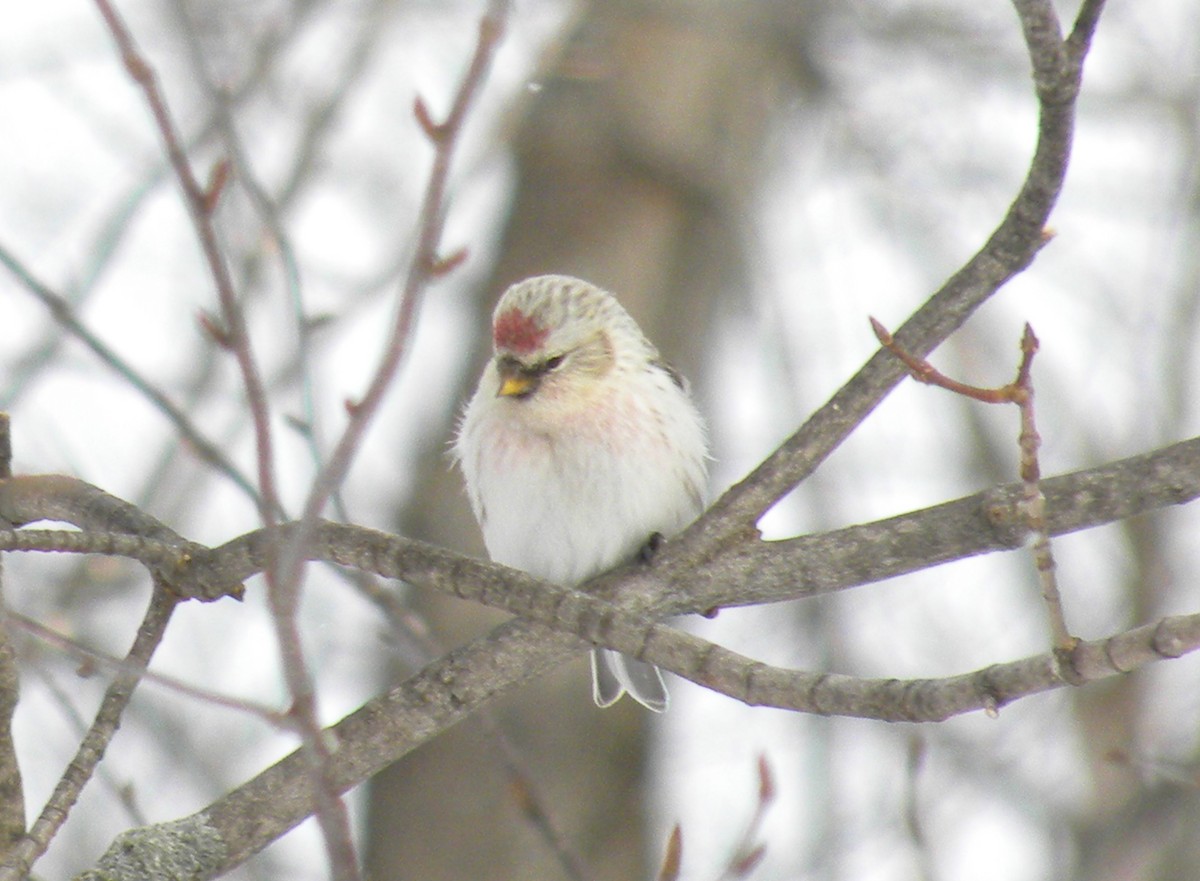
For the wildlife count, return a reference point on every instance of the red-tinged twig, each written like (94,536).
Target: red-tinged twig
(198,205)
(269,212)
(433,130)
(218,177)
(425,258)
(1012,246)
(672,861)
(431,222)
(21,857)
(924,372)
(282,592)
(445,265)
(1033,502)
(749,851)
(424,265)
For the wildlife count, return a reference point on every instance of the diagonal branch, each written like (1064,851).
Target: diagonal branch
(1009,250)
(92,748)
(234,335)
(457,684)
(66,318)
(247,819)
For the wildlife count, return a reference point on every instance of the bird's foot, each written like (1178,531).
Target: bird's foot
(651,547)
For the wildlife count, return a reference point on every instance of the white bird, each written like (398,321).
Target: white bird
(578,446)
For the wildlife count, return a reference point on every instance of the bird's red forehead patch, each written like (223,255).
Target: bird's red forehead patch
(515,331)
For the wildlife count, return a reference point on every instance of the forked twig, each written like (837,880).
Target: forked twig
(1033,502)
(18,861)
(233,335)
(1058,66)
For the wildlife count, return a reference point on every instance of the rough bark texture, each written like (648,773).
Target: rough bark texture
(12,790)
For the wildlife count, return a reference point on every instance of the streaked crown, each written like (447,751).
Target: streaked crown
(558,311)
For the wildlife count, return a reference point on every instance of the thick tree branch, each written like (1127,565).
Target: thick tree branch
(388,727)
(12,789)
(977,524)
(752,572)
(112,526)
(1009,250)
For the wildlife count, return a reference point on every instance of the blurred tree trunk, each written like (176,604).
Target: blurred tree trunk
(638,154)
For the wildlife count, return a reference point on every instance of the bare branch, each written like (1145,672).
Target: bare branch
(248,818)
(1010,248)
(196,198)
(12,789)
(94,659)
(113,526)
(66,318)
(91,750)
(890,545)
(1020,392)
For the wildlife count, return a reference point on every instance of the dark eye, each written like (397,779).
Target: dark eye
(552,363)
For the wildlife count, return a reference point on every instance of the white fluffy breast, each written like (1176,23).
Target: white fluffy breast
(568,494)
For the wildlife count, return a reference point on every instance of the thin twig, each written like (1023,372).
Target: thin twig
(1035,500)
(197,199)
(233,334)
(672,862)
(126,666)
(749,851)
(924,372)
(18,861)
(64,315)
(1033,503)
(268,214)
(913,820)
(124,791)
(422,269)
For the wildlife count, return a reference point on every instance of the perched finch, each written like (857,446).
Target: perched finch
(578,446)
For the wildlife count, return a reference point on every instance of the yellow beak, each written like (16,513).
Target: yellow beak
(515,385)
